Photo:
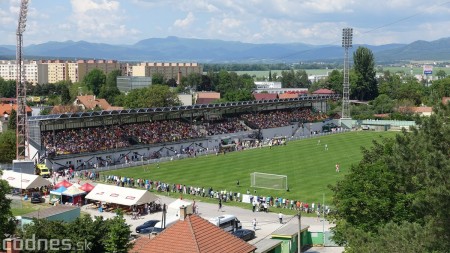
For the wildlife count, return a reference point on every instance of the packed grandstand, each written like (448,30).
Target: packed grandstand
(92,139)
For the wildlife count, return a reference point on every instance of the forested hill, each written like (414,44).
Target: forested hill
(218,51)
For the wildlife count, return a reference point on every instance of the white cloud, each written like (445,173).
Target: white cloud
(99,20)
(183,23)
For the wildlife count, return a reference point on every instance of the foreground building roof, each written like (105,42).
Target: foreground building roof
(193,234)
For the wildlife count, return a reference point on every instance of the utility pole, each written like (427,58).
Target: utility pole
(299,247)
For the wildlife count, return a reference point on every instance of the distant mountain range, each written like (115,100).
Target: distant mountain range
(173,49)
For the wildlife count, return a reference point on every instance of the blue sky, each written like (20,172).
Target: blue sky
(317,22)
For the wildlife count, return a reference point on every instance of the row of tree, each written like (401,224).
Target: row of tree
(397,198)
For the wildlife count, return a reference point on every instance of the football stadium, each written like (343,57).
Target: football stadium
(207,147)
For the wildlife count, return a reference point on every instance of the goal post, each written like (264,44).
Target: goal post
(268,181)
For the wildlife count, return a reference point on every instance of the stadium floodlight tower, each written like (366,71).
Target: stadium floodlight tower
(22,148)
(347,36)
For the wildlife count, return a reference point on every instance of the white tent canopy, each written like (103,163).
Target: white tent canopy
(174,207)
(24,181)
(120,195)
(73,191)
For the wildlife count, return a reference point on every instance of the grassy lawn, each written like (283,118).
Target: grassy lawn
(309,167)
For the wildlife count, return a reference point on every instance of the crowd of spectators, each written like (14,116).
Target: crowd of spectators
(162,131)
(224,126)
(259,203)
(79,140)
(280,118)
(69,141)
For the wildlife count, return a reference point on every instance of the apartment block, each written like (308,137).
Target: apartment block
(86,66)
(30,70)
(169,70)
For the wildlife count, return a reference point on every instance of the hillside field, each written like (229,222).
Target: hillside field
(309,167)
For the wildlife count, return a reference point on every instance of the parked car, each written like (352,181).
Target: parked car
(146,227)
(36,198)
(244,234)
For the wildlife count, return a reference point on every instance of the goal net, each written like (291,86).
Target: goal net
(268,181)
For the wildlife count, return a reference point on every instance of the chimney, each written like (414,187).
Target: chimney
(183,212)
(13,245)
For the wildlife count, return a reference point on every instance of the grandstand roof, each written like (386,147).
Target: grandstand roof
(187,108)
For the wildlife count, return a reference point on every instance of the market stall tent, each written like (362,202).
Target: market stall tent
(56,195)
(87,187)
(64,183)
(73,195)
(24,181)
(120,195)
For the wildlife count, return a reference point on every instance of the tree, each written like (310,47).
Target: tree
(153,96)
(158,78)
(116,237)
(12,121)
(193,81)
(84,234)
(294,79)
(7,88)
(109,90)
(441,74)
(7,146)
(94,80)
(383,104)
(335,81)
(365,82)
(7,225)
(63,90)
(402,179)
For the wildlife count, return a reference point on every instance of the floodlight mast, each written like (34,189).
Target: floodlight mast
(347,35)
(22,148)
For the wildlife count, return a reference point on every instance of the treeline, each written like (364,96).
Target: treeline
(215,67)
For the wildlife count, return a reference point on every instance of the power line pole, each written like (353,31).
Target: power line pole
(22,148)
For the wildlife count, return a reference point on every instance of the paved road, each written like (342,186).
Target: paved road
(267,223)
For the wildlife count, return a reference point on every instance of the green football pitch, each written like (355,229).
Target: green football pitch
(308,166)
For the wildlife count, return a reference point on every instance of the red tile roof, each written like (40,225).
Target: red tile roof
(323,91)
(265,96)
(7,108)
(288,95)
(215,95)
(195,235)
(91,102)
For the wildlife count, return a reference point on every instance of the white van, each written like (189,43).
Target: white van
(227,222)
